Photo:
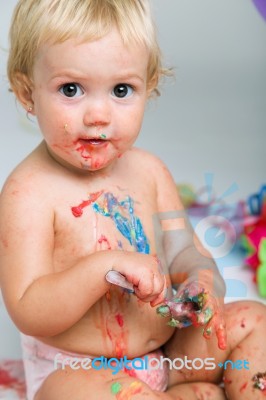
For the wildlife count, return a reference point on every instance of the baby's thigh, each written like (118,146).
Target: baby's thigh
(69,384)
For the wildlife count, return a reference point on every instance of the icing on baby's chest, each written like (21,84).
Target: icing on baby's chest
(104,221)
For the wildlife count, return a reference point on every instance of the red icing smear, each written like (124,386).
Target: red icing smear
(120,320)
(130,372)
(194,319)
(86,149)
(104,239)
(118,343)
(119,348)
(221,339)
(78,210)
(6,379)
(243,387)
(82,149)
(11,382)
(226,380)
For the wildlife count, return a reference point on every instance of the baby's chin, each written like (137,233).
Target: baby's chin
(99,165)
(83,164)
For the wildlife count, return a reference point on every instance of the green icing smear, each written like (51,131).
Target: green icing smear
(116,387)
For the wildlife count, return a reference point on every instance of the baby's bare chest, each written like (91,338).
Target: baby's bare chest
(104,218)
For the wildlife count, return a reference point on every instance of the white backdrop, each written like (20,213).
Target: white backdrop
(210,119)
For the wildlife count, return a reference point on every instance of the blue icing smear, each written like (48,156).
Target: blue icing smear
(129,225)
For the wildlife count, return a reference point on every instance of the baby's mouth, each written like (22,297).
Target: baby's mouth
(88,146)
(92,142)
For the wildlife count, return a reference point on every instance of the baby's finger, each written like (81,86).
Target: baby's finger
(221,336)
(159,290)
(158,299)
(144,288)
(144,291)
(205,315)
(209,328)
(219,329)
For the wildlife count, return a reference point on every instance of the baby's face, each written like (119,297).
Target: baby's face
(89,99)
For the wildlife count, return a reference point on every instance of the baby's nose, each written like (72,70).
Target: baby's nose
(97,114)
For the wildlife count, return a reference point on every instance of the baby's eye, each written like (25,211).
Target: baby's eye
(71,90)
(122,90)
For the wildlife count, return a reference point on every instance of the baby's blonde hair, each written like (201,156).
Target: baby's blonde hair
(36,22)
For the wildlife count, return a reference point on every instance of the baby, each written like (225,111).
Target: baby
(86,202)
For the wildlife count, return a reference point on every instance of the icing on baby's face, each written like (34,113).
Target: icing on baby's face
(89,99)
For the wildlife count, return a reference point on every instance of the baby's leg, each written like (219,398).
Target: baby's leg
(246,330)
(83,385)
(94,385)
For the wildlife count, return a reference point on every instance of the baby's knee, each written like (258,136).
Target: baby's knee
(246,311)
(245,319)
(197,390)
(52,386)
(66,384)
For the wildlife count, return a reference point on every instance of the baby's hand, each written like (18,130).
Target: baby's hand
(207,312)
(193,305)
(141,273)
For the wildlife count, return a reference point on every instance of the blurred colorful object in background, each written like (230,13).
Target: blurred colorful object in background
(261,271)
(243,222)
(261,7)
(253,238)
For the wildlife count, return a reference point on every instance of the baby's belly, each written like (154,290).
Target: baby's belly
(118,325)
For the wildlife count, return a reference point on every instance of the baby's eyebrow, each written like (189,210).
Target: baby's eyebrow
(68,75)
(126,77)
(73,76)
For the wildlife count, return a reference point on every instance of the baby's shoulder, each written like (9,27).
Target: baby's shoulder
(152,170)
(146,162)
(27,178)
(143,159)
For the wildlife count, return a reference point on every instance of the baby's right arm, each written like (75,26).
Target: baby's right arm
(45,302)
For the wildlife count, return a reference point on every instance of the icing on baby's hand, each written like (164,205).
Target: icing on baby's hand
(197,307)
(184,310)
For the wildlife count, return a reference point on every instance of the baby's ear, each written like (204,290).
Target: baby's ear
(22,88)
(152,90)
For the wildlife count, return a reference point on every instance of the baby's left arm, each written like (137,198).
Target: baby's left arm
(201,288)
